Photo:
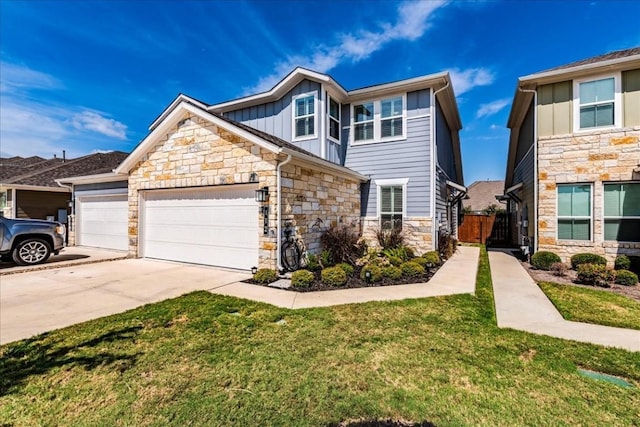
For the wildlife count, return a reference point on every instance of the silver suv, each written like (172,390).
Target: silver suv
(30,241)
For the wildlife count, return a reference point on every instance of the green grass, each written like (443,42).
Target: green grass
(210,360)
(593,306)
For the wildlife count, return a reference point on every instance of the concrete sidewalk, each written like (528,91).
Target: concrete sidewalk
(457,276)
(521,305)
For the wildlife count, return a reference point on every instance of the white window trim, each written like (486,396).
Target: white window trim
(379,183)
(377,121)
(590,217)
(604,217)
(315,116)
(617,102)
(329,118)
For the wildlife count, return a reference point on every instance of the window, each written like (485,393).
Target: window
(379,120)
(334,120)
(304,118)
(574,212)
(3,199)
(597,103)
(391,203)
(622,212)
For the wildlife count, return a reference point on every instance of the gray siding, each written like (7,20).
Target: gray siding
(408,158)
(275,117)
(525,136)
(444,146)
(523,173)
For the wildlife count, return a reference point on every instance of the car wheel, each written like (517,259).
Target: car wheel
(31,252)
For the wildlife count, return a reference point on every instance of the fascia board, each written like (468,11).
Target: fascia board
(5,187)
(562,74)
(93,179)
(180,98)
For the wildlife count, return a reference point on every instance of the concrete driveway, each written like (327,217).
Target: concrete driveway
(72,255)
(39,301)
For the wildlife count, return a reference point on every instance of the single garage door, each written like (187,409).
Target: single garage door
(212,226)
(103,221)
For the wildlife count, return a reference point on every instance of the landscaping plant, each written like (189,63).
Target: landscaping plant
(312,262)
(265,275)
(343,243)
(412,269)
(432,257)
(390,238)
(622,262)
(302,279)
(587,258)
(543,260)
(333,276)
(595,274)
(626,278)
(325,259)
(348,268)
(403,252)
(447,245)
(376,272)
(559,269)
(392,272)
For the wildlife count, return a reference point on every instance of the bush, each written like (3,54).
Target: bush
(394,260)
(419,260)
(265,275)
(447,245)
(432,257)
(333,276)
(343,243)
(595,274)
(405,253)
(587,258)
(543,260)
(412,269)
(392,272)
(622,262)
(559,269)
(347,268)
(312,262)
(389,239)
(376,272)
(626,278)
(325,259)
(302,278)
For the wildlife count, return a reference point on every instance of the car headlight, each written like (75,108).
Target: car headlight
(60,229)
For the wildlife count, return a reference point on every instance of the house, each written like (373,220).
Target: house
(573,171)
(218,184)
(28,187)
(481,197)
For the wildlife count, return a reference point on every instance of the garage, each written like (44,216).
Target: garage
(215,226)
(103,221)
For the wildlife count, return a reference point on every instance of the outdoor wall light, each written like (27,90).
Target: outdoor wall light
(262,195)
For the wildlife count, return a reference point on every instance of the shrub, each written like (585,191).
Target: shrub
(543,260)
(559,269)
(265,275)
(376,272)
(595,274)
(343,243)
(325,259)
(422,261)
(432,257)
(302,278)
(587,258)
(626,278)
(394,260)
(635,263)
(348,268)
(412,269)
(389,239)
(405,253)
(312,262)
(447,245)
(622,262)
(392,272)
(333,276)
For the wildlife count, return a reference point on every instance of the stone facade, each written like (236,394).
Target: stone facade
(418,232)
(592,157)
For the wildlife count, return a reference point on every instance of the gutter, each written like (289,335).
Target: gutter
(535,165)
(279,211)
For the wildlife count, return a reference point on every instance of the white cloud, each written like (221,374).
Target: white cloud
(14,77)
(465,80)
(492,108)
(90,120)
(412,21)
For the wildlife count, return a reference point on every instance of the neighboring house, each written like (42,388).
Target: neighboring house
(481,197)
(573,171)
(381,156)
(28,187)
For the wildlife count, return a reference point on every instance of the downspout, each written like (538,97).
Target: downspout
(535,165)
(434,162)
(279,211)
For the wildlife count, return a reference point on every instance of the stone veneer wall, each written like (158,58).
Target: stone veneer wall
(591,157)
(417,231)
(198,153)
(313,200)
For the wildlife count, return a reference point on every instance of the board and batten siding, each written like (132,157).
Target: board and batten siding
(275,118)
(631,97)
(445,170)
(409,158)
(523,173)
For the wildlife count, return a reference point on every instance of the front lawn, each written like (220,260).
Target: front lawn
(208,360)
(593,306)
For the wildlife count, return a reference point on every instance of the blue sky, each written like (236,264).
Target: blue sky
(88,76)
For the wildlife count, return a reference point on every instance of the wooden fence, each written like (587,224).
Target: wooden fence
(486,229)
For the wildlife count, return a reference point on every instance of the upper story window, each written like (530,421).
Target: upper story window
(574,212)
(597,103)
(334,120)
(304,116)
(379,120)
(622,212)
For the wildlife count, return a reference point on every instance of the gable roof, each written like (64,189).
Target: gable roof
(482,194)
(45,173)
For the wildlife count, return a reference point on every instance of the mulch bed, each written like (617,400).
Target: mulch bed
(356,282)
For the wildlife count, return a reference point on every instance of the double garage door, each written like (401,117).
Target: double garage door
(214,226)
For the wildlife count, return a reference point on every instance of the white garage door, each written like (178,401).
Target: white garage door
(103,221)
(217,227)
